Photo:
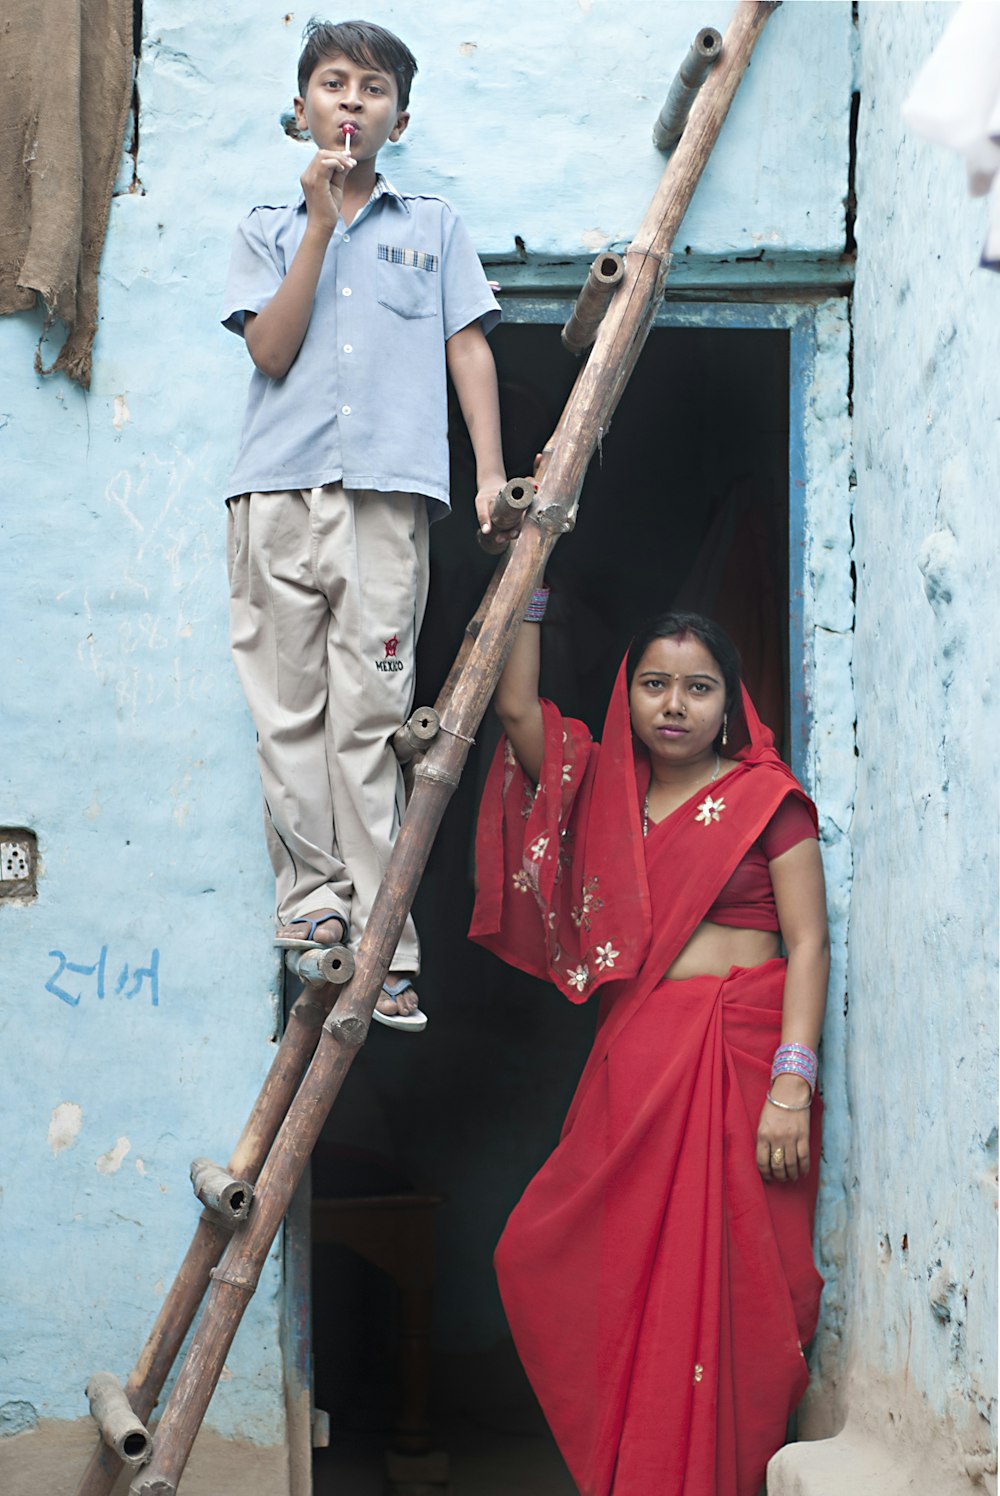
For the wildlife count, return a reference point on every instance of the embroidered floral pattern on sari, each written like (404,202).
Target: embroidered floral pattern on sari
(606,956)
(588,905)
(578,977)
(709,810)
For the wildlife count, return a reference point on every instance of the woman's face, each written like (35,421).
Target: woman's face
(677,700)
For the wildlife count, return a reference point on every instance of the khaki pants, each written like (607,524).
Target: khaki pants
(327,594)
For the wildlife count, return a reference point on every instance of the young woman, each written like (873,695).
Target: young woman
(657,1273)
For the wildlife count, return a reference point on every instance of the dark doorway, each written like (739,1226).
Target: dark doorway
(685,504)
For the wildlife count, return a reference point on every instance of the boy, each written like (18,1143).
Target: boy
(353,302)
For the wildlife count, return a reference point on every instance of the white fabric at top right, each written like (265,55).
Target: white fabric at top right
(955,101)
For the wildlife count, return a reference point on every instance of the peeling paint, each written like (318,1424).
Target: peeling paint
(595,239)
(64,1126)
(17,1418)
(111,1162)
(122,415)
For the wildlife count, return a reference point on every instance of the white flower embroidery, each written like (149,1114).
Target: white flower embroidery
(538,848)
(709,810)
(588,905)
(521,881)
(553,919)
(606,956)
(579,914)
(578,977)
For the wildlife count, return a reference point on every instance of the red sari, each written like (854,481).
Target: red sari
(658,1291)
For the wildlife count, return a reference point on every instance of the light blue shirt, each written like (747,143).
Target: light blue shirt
(365,401)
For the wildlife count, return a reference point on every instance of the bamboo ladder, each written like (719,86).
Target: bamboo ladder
(324,1032)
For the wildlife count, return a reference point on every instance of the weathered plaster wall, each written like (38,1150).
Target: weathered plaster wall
(125,742)
(917,1363)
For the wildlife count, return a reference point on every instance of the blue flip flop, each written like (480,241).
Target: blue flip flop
(415,1022)
(308,942)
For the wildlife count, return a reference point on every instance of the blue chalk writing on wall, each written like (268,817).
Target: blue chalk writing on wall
(129,982)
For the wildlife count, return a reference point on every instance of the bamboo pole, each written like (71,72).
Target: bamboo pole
(181,1303)
(585,421)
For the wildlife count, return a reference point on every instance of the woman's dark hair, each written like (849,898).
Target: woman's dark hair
(367,46)
(711,635)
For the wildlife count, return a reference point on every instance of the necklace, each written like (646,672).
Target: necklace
(645,803)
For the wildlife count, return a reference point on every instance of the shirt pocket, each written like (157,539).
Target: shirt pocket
(407,281)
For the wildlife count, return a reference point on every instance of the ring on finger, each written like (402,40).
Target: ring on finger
(777,1155)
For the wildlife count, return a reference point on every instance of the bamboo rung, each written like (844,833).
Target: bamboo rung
(219,1191)
(333,965)
(120,1429)
(603,278)
(421,728)
(704,52)
(507,514)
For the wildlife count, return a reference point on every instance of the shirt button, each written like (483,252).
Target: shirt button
(348,347)
(347,238)
(345,410)
(346,291)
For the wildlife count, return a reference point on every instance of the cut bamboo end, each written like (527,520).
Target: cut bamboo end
(333,964)
(152,1485)
(120,1429)
(593,301)
(508,511)
(416,733)
(230,1198)
(704,52)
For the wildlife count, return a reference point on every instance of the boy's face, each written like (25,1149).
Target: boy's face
(340,90)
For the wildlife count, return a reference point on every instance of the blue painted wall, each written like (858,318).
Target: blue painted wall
(126,746)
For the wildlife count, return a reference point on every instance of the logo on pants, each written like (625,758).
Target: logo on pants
(391,661)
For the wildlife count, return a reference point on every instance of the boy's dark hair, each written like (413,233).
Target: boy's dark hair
(707,632)
(366,45)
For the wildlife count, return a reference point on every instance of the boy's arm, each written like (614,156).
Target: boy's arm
(474,375)
(274,335)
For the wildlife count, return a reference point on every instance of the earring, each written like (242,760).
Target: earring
(725,728)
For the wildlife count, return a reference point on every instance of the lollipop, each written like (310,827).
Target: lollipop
(348,129)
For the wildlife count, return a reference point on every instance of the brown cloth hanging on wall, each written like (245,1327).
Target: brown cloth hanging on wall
(65,87)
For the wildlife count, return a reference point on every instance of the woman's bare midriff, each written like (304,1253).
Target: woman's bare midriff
(713,949)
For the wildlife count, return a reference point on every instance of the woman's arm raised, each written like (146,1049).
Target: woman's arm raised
(516,700)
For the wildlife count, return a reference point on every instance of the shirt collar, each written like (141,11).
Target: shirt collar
(383,188)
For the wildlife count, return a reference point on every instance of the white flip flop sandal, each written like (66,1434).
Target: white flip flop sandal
(414,1022)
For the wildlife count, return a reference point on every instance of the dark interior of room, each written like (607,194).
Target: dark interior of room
(685,505)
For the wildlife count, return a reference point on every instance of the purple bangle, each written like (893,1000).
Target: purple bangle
(796,1059)
(535,611)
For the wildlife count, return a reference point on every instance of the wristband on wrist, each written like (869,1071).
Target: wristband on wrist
(796,1059)
(537,603)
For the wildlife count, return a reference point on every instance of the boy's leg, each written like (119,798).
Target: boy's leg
(278,629)
(372,562)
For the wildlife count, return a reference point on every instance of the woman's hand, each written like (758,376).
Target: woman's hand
(783,1137)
